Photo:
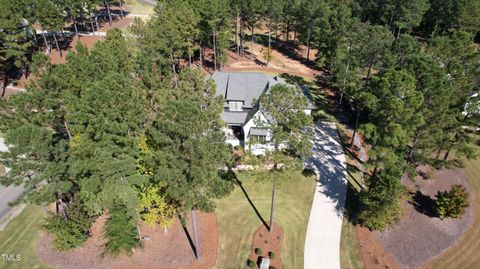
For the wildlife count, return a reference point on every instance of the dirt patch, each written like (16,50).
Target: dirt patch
(163,250)
(268,242)
(118,23)
(88,41)
(279,64)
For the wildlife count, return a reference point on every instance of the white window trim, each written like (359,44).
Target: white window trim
(235,105)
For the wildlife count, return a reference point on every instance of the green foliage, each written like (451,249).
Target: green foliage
(251,264)
(154,208)
(381,202)
(452,203)
(271,255)
(258,251)
(120,231)
(290,126)
(71,231)
(187,144)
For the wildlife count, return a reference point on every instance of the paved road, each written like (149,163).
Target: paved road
(149,2)
(8,194)
(322,243)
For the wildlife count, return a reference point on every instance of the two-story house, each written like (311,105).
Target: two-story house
(242,113)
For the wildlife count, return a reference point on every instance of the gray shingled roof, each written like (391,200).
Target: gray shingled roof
(234,117)
(246,87)
(242,86)
(258,131)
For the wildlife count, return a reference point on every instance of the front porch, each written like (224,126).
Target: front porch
(235,135)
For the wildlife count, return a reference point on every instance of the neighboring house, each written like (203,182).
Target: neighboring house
(242,113)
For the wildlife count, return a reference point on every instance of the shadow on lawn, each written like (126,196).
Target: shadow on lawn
(251,203)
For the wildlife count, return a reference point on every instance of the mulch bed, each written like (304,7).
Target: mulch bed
(373,253)
(170,250)
(268,242)
(420,236)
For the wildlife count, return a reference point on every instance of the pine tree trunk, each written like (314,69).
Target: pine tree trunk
(34,34)
(308,43)
(120,4)
(56,44)
(93,28)
(251,43)
(108,11)
(96,21)
(214,50)
(68,130)
(242,51)
(195,234)
(201,56)
(5,83)
(237,21)
(344,80)
(355,128)
(76,29)
(45,40)
(269,33)
(277,38)
(173,64)
(272,206)
(138,232)
(370,66)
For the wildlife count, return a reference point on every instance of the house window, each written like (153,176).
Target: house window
(235,106)
(258,139)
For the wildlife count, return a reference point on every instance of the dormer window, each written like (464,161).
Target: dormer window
(235,105)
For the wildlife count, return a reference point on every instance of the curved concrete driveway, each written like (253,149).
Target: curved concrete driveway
(322,243)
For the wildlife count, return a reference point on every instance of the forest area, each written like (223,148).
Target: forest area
(132,128)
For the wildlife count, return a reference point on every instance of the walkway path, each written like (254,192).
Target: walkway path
(322,243)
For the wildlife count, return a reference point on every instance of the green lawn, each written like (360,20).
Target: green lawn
(237,219)
(20,237)
(350,257)
(465,254)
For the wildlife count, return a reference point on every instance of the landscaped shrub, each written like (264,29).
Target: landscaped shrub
(272,267)
(70,231)
(258,251)
(381,202)
(120,231)
(452,204)
(271,255)
(251,264)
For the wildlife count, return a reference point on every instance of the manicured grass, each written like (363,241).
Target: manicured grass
(2,170)
(20,237)
(465,254)
(237,219)
(349,250)
(350,257)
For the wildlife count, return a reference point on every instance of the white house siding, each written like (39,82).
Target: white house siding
(256,149)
